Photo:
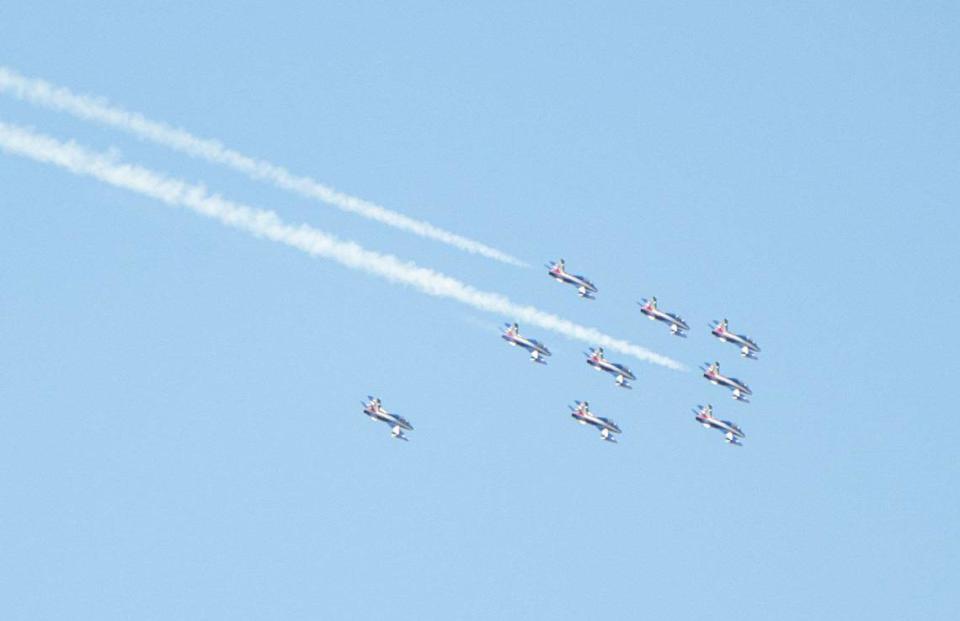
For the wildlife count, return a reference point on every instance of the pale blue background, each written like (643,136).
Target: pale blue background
(180,432)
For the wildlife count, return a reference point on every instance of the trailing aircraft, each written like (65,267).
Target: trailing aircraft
(375,410)
(748,349)
(740,390)
(731,433)
(537,349)
(677,325)
(596,359)
(582,414)
(558,272)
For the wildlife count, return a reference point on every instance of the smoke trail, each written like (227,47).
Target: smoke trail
(267,224)
(88,108)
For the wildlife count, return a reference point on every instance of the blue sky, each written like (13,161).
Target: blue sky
(181,434)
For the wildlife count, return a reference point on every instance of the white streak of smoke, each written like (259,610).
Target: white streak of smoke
(94,109)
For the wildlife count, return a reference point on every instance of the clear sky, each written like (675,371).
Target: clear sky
(180,430)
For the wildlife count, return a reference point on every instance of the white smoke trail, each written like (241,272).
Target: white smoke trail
(267,224)
(48,95)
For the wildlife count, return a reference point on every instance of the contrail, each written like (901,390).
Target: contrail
(48,95)
(267,224)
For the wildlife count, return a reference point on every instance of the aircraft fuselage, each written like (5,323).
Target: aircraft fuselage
(676,324)
(732,383)
(612,368)
(599,422)
(747,347)
(584,287)
(721,425)
(394,420)
(537,350)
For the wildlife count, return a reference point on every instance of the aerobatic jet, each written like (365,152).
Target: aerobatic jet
(731,433)
(374,409)
(537,349)
(677,325)
(582,414)
(596,359)
(712,373)
(558,272)
(748,349)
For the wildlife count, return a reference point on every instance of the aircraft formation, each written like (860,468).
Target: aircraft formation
(596,358)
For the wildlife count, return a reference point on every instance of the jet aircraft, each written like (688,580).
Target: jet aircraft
(748,349)
(558,272)
(537,349)
(677,325)
(712,373)
(731,433)
(582,414)
(596,359)
(374,409)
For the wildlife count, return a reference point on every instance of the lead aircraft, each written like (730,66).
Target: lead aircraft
(596,359)
(537,349)
(375,410)
(677,325)
(748,349)
(558,272)
(740,390)
(582,414)
(731,433)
